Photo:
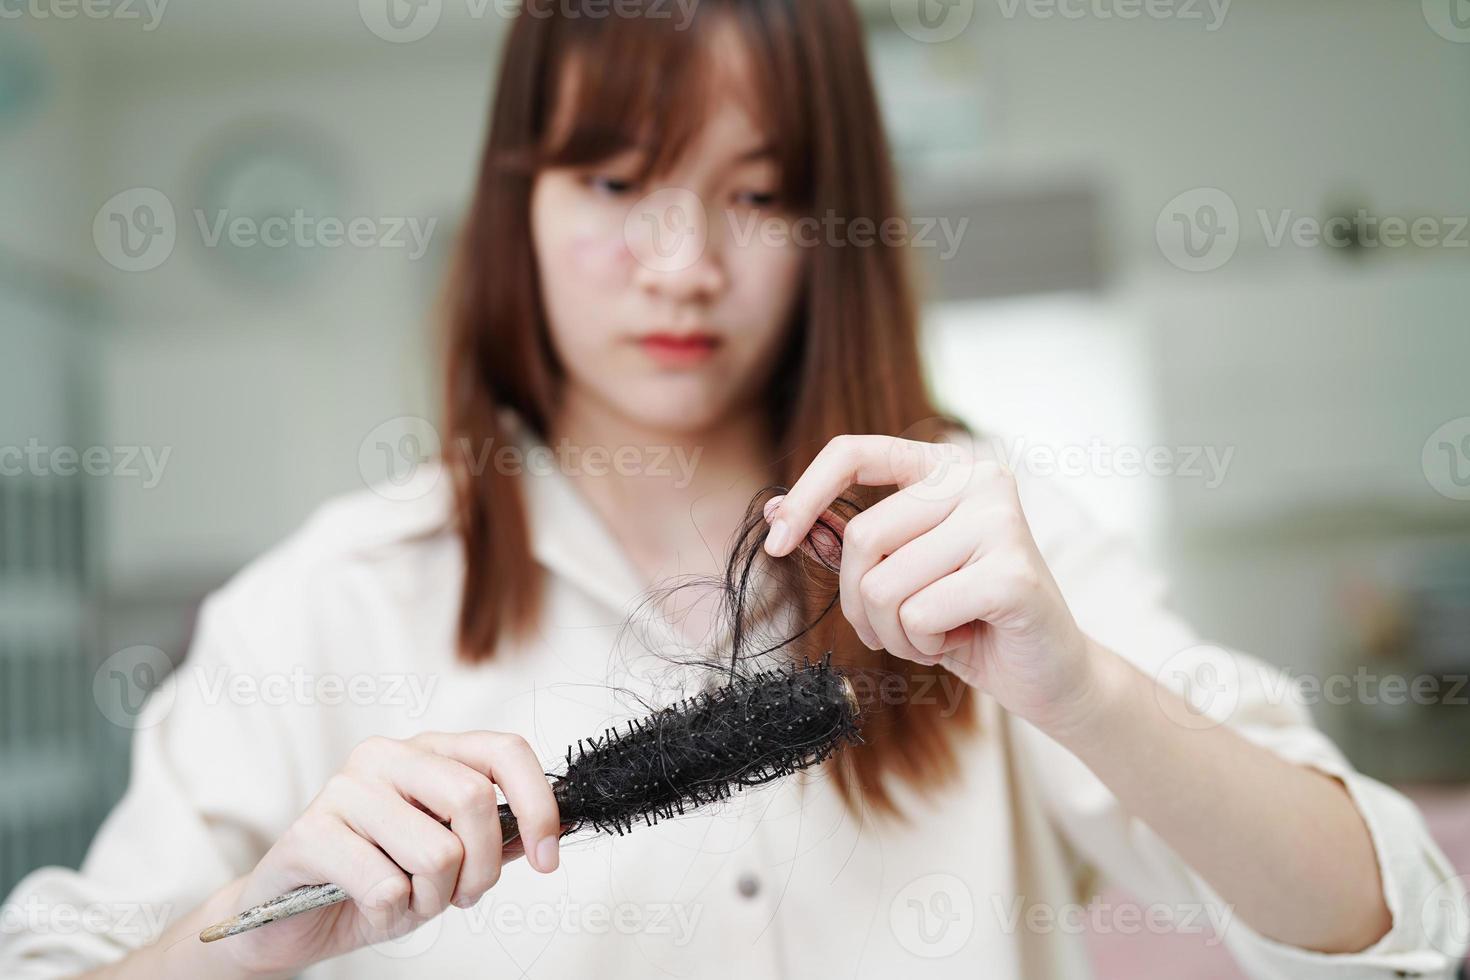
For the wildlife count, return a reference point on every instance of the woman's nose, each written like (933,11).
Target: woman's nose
(671,236)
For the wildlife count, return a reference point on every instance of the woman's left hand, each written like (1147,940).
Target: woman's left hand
(946,570)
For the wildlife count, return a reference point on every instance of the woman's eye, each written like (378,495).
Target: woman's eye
(613,186)
(757,199)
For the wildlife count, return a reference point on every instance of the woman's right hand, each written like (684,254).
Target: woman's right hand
(406,829)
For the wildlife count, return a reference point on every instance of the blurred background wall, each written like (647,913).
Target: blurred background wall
(1137,274)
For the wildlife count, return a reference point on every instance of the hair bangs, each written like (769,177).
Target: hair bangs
(644,84)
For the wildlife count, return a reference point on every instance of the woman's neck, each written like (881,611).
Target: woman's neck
(672,499)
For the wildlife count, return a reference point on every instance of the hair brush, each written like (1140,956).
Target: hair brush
(754,730)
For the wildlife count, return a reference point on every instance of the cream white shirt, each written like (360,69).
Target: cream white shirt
(346,630)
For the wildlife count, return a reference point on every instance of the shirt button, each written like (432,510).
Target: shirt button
(748,885)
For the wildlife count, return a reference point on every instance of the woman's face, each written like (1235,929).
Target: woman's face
(668,300)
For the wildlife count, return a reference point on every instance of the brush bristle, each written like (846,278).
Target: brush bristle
(699,751)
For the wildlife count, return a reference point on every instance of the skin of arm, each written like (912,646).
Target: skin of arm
(180,954)
(1282,843)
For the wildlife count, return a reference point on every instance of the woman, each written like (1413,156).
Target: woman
(666,309)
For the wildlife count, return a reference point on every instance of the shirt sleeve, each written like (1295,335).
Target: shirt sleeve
(1120,603)
(209,781)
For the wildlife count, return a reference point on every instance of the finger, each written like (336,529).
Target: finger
(513,765)
(884,530)
(989,590)
(429,851)
(465,800)
(868,460)
(379,888)
(909,570)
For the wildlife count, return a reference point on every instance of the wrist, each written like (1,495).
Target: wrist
(1106,697)
(186,955)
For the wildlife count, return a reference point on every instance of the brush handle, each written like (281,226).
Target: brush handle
(308,898)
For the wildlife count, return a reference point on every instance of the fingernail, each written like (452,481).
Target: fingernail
(776,540)
(546,854)
(771,506)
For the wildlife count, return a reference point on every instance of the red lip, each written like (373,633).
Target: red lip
(679,350)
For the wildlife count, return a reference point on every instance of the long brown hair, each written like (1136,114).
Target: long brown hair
(851,364)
